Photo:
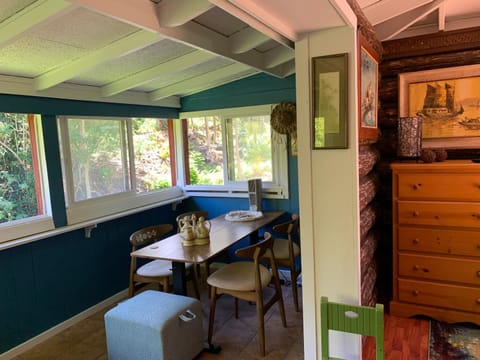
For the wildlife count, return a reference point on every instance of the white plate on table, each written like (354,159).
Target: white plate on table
(243,215)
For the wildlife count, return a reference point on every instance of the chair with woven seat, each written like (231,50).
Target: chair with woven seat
(355,319)
(155,271)
(287,252)
(246,280)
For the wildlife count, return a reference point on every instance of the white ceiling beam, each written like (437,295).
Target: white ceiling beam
(388,29)
(32,16)
(178,12)
(203,82)
(132,42)
(254,22)
(170,66)
(141,13)
(246,40)
(441,17)
(278,56)
(388,9)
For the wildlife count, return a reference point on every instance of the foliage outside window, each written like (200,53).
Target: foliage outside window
(23,210)
(115,164)
(224,148)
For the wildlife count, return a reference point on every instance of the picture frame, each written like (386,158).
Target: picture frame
(446,124)
(329,113)
(368,90)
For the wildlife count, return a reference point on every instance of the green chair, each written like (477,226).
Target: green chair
(362,320)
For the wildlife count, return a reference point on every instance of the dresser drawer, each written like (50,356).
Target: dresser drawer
(439,268)
(439,186)
(433,294)
(441,241)
(457,214)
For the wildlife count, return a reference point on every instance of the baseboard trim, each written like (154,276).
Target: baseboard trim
(27,345)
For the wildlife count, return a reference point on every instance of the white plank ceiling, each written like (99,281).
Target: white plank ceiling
(154,52)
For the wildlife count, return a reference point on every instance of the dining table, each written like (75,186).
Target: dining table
(224,232)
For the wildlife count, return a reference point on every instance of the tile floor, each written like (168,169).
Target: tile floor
(237,337)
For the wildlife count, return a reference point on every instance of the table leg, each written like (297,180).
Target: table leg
(179,281)
(253,237)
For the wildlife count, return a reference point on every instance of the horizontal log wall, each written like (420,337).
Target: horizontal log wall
(442,50)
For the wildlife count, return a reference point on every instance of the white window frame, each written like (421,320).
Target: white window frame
(102,206)
(40,223)
(276,189)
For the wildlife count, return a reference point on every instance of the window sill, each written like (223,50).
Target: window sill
(88,225)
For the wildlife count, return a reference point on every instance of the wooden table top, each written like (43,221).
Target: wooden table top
(223,233)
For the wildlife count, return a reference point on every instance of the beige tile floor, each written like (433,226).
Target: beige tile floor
(237,337)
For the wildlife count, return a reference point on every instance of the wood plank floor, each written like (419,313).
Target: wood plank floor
(404,338)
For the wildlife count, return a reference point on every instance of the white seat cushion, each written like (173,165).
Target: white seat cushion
(280,249)
(239,276)
(157,268)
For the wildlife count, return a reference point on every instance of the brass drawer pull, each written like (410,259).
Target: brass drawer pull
(416,292)
(417,241)
(415,213)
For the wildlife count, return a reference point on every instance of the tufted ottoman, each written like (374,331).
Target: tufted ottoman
(155,325)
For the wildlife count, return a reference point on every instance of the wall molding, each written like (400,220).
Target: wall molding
(29,344)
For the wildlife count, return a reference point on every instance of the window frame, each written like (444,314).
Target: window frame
(102,206)
(276,189)
(38,223)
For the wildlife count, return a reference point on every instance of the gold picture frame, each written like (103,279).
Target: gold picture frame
(448,101)
(368,84)
(329,79)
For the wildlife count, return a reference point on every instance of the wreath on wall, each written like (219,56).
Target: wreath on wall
(283,118)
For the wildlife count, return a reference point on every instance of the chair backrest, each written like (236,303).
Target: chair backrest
(355,319)
(197,213)
(288,228)
(148,235)
(260,252)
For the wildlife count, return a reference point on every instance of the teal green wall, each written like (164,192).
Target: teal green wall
(49,281)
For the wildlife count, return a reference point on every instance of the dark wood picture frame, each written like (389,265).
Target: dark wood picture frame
(368,90)
(329,84)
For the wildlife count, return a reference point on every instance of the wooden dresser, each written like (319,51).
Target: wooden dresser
(436,240)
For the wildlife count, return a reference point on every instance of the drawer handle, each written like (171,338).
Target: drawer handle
(476,216)
(416,292)
(415,213)
(478,273)
(417,241)
(416,267)
(478,301)
(416,186)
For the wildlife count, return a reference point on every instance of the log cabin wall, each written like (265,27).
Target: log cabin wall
(455,48)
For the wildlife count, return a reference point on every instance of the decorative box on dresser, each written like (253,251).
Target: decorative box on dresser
(436,240)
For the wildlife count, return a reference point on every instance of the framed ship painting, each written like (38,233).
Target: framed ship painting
(448,101)
(368,82)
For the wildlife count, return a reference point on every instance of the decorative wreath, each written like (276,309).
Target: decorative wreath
(283,118)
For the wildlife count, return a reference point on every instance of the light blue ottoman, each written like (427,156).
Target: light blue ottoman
(155,325)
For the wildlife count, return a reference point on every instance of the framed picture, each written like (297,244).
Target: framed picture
(368,82)
(329,102)
(448,101)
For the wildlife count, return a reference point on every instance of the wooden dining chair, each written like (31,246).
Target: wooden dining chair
(155,271)
(355,319)
(287,251)
(247,280)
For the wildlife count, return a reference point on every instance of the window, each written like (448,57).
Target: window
(224,148)
(24,207)
(112,165)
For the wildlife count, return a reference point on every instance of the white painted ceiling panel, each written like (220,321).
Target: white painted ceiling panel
(116,50)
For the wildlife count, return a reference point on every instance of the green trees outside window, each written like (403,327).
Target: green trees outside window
(18,196)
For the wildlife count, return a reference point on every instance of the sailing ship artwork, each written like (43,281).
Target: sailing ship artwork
(448,108)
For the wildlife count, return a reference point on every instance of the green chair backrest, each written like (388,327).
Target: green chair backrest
(362,320)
